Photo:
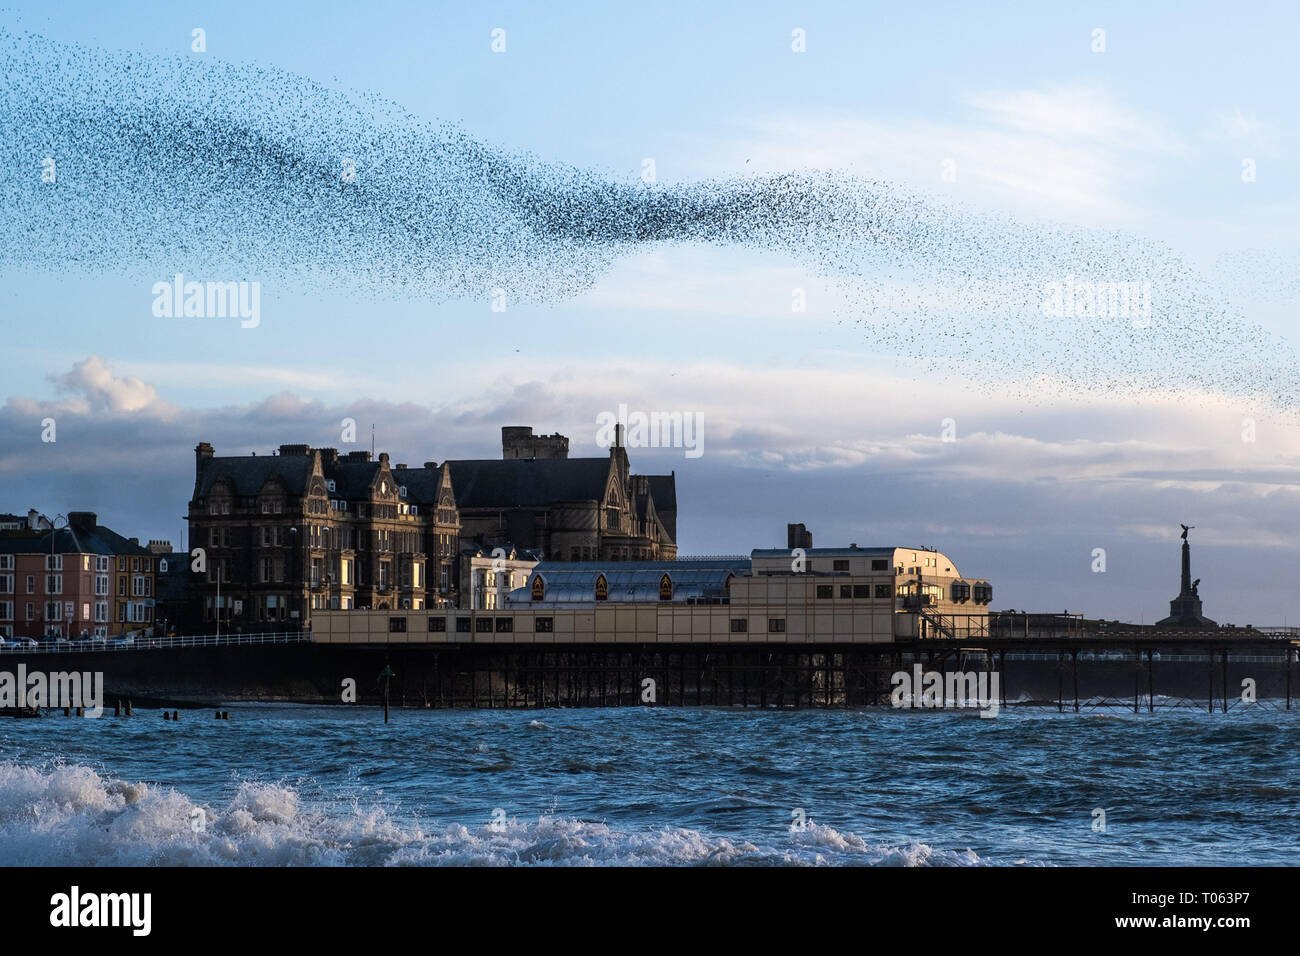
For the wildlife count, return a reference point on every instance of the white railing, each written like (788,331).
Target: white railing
(101,644)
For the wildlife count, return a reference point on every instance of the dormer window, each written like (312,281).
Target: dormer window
(401,491)
(383,487)
(329,483)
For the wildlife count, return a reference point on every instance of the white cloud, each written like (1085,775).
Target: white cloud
(1068,153)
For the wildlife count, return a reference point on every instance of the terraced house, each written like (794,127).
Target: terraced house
(82,579)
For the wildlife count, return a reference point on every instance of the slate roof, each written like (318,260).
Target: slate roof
(351,478)
(528,482)
(663,488)
(249,473)
(422,484)
(100,540)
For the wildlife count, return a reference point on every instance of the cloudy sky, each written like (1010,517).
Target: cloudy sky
(812,416)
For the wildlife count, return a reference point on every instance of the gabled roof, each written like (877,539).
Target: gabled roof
(248,473)
(422,484)
(352,479)
(528,482)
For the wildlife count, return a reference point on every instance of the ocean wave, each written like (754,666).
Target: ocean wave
(70,814)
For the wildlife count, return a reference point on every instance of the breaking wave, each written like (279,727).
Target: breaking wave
(70,814)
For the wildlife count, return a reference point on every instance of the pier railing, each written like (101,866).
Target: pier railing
(110,644)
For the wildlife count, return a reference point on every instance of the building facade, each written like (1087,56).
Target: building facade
(829,595)
(536,498)
(306,529)
(80,580)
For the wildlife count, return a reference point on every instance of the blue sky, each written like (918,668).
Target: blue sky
(807,413)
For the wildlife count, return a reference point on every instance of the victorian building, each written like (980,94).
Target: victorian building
(308,529)
(538,499)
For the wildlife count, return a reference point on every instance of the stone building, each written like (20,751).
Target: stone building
(538,499)
(309,529)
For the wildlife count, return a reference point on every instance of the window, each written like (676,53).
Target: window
(879,564)
(825,592)
(101,611)
(438,624)
(31,584)
(505,625)
(6,562)
(53,611)
(602,588)
(861,591)
(31,612)
(54,562)
(101,564)
(53,584)
(397,625)
(6,610)
(121,587)
(776,625)
(841,564)
(101,584)
(884,591)
(6,584)
(665,588)
(739,625)
(462,625)
(483,625)
(846,592)
(543,625)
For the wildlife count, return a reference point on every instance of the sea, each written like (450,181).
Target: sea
(284,784)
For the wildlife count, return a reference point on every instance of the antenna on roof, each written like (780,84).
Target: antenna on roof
(372,440)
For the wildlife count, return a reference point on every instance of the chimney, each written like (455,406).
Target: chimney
(83,522)
(33,519)
(202,452)
(294,450)
(797,536)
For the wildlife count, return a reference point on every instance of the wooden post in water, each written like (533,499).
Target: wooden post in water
(386,674)
(1060,682)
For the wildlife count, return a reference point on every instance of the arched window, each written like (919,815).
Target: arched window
(539,587)
(665,588)
(602,588)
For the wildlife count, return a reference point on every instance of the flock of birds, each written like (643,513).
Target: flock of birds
(230,172)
